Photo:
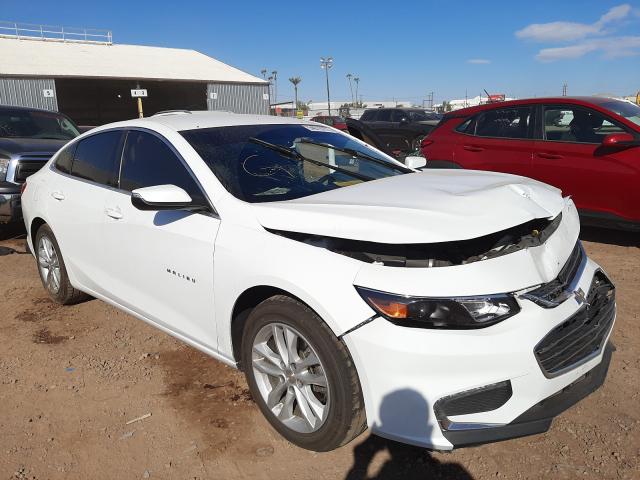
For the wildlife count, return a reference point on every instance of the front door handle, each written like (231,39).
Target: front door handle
(550,156)
(58,195)
(114,213)
(472,148)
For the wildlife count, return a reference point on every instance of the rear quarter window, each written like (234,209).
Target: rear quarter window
(65,158)
(368,115)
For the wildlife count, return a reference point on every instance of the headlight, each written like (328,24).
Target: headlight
(448,313)
(4,164)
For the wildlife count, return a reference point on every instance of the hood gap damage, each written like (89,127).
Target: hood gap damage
(443,254)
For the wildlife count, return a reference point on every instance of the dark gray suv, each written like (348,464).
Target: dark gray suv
(28,138)
(401,129)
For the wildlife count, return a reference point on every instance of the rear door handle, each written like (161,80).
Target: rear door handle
(550,156)
(114,213)
(58,195)
(472,148)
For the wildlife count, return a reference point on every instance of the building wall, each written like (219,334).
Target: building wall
(238,98)
(28,92)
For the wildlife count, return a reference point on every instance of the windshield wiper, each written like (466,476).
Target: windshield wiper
(295,155)
(357,154)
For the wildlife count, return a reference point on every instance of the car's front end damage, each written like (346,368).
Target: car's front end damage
(479,337)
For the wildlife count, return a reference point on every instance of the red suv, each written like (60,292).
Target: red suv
(586,146)
(333,121)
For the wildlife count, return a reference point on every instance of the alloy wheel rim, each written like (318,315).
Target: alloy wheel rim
(290,377)
(49,264)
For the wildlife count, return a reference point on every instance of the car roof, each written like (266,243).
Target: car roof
(581,100)
(192,120)
(27,109)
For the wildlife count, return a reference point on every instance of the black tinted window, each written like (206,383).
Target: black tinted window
(468,126)
(504,123)
(384,116)
(65,158)
(97,157)
(399,115)
(148,161)
(368,115)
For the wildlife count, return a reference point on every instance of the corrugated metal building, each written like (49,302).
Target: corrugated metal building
(91,82)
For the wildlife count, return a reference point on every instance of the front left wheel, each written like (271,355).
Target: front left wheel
(301,376)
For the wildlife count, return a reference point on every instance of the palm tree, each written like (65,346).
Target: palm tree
(264,73)
(349,76)
(295,81)
(357,80)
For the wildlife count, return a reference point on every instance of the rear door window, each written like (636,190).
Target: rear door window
(97,158)
(148,161)
(384,116)
(505,123)
(398,115)
(568,123)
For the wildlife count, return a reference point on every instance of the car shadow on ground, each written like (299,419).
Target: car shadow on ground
(611,237)
(407,411)
(12,231)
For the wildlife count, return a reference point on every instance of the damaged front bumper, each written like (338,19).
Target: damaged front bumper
(407,373)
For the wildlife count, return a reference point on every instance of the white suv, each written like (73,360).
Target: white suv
(441,308)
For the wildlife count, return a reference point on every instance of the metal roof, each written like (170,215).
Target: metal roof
(37,58)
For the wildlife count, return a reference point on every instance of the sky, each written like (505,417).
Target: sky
(399,50)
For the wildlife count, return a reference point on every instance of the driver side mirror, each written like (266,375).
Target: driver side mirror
(161,197)
(620,140)
(415,162)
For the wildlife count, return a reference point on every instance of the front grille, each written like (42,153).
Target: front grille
(557,291)
(583,334)
(28,165)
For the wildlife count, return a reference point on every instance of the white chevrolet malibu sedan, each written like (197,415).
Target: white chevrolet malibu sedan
(441,308)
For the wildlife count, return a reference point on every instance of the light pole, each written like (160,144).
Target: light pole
(357,80)
(327,63)
(275,86)
(349,76)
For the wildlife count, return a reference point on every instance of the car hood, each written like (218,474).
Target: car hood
(31,145)
(426,207)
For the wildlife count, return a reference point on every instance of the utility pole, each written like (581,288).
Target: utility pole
(326,64)
(349,76)
(431,101)
(564,89)
(275,86)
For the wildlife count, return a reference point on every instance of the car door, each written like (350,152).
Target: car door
(86,171)
(161,262)
(571,156)
(499,140)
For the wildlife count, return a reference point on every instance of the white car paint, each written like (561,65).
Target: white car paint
(146,267)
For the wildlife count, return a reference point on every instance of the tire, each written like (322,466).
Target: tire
(52,270)
(342,417)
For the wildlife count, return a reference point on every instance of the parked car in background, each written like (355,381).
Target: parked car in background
(28,139)
(440,308)
(401,128)
(586,146)
(333,121)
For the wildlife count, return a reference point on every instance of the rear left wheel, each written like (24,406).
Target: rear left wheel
(52,270)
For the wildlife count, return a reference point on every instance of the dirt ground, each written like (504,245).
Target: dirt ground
(88,392)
